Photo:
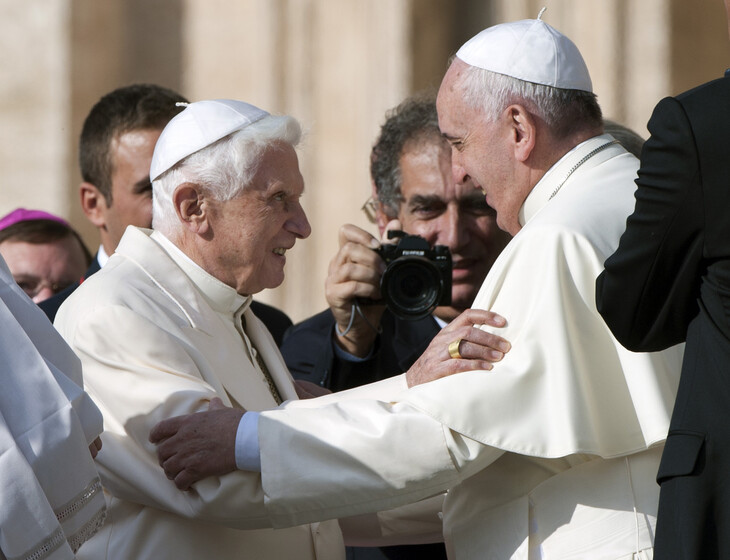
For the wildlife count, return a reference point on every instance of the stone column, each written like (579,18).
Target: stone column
(34,104)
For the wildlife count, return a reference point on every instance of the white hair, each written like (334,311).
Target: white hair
(224,169)
(563,110)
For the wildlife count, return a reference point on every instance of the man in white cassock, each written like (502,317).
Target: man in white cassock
(50,491)
(166,326)
(553,453)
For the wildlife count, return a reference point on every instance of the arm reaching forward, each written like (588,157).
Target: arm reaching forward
(196,446)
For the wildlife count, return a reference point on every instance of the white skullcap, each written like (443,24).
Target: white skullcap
(528,50)
(199,125)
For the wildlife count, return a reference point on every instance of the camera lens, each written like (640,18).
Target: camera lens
(414,287)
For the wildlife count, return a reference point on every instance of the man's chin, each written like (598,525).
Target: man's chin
(270,282)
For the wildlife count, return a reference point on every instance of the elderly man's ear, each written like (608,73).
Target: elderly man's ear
(192,207)
(522,131)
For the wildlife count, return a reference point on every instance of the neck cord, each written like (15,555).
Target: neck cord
(584,159)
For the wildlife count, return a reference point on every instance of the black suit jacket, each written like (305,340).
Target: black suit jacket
(276,321)
(309,354)
(669,282)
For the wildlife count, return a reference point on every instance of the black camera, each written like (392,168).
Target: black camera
(417,278)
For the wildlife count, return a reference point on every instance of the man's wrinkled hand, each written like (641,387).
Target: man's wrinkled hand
(196,446)
(472,348)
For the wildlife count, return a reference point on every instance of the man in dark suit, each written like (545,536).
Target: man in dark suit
(669,282)
(115,150)
(413,190)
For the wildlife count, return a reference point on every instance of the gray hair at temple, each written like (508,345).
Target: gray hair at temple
(225,168)
(413,121)
(564,111)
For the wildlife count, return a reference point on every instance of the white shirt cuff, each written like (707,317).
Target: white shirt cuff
(248,453)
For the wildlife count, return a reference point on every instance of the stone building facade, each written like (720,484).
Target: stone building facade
(337,65)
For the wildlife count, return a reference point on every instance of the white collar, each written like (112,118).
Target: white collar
(220,296)
(585,155)
(101,256)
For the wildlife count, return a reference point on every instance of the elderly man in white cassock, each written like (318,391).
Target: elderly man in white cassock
(166,327)
(50,491)
(553,453)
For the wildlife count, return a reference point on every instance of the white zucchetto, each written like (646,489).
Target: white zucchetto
(199,125)
(528,50)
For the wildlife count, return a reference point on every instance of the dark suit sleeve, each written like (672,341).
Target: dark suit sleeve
(307,349)
(648,291)
(310,355)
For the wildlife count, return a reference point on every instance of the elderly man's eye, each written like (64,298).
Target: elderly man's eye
(457,145)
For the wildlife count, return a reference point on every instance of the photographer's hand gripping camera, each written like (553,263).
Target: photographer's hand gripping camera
(417,278)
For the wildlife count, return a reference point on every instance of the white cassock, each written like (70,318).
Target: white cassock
(50,493)
(553,453)
(160,337)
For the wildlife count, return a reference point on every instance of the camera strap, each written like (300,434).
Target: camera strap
(356,309)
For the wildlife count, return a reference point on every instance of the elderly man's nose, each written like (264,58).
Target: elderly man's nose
(299,224)
(459,174)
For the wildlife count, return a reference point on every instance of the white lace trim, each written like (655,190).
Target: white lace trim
(51,543)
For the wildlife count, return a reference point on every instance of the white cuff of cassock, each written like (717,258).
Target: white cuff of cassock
(248,454)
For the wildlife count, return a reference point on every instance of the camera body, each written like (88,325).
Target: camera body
(417,278)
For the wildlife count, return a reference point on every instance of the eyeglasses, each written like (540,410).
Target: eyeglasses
(370,209)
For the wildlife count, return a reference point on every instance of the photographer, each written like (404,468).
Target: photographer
(414,191)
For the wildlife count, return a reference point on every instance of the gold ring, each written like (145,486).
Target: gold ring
(454,349)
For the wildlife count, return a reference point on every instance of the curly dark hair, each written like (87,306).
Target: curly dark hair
(413,120)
